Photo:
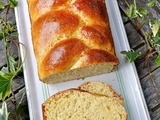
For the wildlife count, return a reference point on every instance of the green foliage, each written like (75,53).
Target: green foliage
(140,16)
(131,55)
(2,5)
(13,66)
(141,12)
(6,76)
(152,3)
(5,87)
(13,3)
(158,60)
(12,69)
(154,25)
(1,36)
(10,28)
(21,107)
(4,112)
(132,11)
(155,41)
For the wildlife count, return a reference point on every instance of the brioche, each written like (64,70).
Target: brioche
(101,88)
(71,39)
(74,104)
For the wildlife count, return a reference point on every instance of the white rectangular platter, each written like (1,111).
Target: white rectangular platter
(124,80)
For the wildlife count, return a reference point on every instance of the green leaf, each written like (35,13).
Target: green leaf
(13,3)
(9,27)
(8,75)
(142,12)
(5,87)
(2,5)
(1,36)
(4,112)
(152,3)
(154,25)
(21,108)
(158,34)
(130,55)
(6,43)
(155,40)
(12,64)
(132,11)
(3,70)
(158,60)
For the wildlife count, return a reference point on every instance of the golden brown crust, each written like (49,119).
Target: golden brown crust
(98,35)
(49,27)
(83,23)
(60,57)
(95,56)
(94,9)
(40,7)
(43,112)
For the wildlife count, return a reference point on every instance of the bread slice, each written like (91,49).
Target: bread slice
(101,88)
(74,104)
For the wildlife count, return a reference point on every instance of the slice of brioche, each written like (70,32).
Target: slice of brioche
(74,104)
(101,88)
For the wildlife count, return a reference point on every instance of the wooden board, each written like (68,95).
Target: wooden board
(137,43)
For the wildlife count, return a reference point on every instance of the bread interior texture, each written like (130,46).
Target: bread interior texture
(80,105)
(101,88)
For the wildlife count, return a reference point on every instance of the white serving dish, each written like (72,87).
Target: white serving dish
(124,80)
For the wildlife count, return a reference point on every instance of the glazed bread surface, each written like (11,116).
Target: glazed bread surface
(71,39)
(101,88)
(74,104)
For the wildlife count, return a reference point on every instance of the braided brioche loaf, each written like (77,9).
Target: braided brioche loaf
(71,39)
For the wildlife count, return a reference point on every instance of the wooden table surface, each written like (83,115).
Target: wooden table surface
(136,42)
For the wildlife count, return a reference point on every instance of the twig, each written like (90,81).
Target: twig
(14,101)
(126,3)
(151,49)
(7,9)
(17,46)
(153,80)
(138,26)
(5,39)
(25,54)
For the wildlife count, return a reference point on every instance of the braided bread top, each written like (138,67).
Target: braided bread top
(69,34)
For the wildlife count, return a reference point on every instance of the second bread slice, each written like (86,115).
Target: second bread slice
(74,104)
(101,88)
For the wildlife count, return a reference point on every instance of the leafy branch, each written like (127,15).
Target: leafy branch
(140,17)
(13,65)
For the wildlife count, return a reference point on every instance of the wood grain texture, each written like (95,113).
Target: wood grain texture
(13,52)
(18,83)
(137,43)
(155,114)
(152,98)
(11,109)
(134,37)
(13,49)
